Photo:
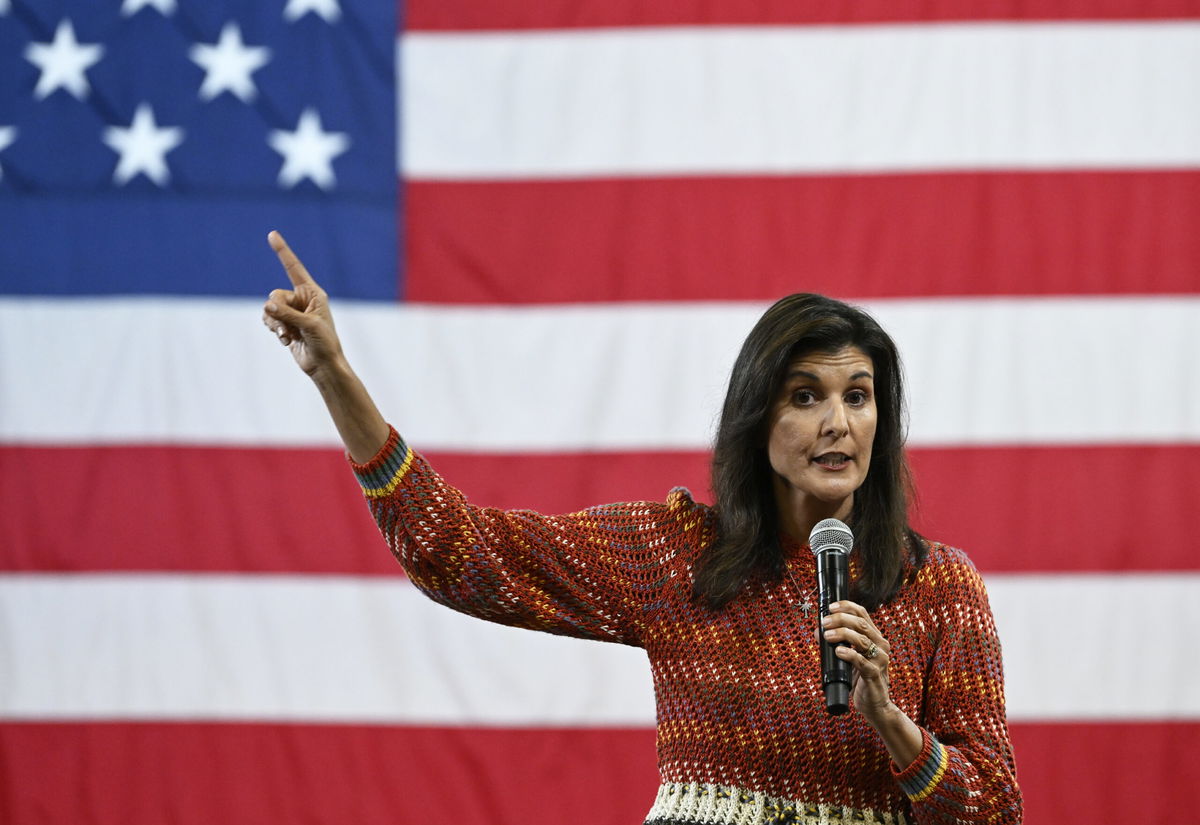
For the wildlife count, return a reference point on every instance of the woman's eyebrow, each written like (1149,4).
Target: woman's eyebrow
(812,376)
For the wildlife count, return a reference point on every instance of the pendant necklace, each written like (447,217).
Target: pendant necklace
(806,606)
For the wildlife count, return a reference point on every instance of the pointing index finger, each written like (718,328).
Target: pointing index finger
(295,270)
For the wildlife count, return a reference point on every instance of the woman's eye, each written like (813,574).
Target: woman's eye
(856,398)
(804,397)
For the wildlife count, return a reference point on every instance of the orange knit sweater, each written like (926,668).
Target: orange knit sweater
(743,736)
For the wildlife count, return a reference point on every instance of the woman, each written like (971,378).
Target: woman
(720,598)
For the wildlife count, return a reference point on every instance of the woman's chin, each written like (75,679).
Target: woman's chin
(833,497)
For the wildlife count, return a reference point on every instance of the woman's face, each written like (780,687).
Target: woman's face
(821,429)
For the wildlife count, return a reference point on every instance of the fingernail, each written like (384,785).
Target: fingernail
(828,634)
(825,621)
(834,605)
(271,307)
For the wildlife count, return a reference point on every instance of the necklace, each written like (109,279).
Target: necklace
(806,606)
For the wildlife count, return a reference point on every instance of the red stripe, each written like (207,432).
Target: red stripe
(563,14)
(224,510)
(198,774)
(702,239)
(204,773)
(185,509)
(1108,773)
(1063,509)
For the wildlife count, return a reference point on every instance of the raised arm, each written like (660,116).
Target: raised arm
(588,574)
(301,319)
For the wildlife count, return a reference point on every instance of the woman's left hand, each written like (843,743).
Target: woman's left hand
(867,651)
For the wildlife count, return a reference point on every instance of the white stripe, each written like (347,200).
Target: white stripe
(803,99)
(309,648)
(344,649)
(991,371)
(1093,646)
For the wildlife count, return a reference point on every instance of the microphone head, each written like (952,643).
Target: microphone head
(831,534)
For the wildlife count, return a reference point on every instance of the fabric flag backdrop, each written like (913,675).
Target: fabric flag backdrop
(545,287)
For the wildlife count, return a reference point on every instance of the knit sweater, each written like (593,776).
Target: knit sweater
(743,735)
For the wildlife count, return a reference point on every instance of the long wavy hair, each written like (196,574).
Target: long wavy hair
(748,538)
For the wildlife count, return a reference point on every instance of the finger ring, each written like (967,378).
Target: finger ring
(871,651)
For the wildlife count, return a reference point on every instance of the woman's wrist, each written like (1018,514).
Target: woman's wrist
(359,423)
(901,735)
(334,375)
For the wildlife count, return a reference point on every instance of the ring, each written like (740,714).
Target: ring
(871,651)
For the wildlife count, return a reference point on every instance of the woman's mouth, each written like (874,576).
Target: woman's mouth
(832,461)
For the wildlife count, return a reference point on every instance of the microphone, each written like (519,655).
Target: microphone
(831,542)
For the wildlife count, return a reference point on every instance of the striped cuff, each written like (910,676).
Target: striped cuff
(380,476)
(920,778)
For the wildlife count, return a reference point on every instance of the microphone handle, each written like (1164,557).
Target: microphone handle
(833,574)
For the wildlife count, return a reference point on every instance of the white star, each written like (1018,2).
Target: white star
(308,152)
(143,147)
(328,9)
(7,135)
(228,64)
(131,7)
(63,62)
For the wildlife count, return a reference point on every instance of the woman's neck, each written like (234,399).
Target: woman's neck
(799,513)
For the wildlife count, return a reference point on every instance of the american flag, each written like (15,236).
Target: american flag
(546,228)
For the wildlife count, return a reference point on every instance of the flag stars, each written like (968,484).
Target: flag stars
(142,147)
(229,64)
(327,9)
(131,7)
(63,62)
(308,152)
(7,135)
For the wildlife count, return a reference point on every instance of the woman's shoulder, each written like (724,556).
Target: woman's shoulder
(673,531)
(940,553)
(945,562)
(676,525)
(679,504)
(681,500)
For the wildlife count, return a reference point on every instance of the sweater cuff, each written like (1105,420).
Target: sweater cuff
(920,778)
(381,475)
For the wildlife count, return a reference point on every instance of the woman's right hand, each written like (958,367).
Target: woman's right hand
(301,319)
(300,316)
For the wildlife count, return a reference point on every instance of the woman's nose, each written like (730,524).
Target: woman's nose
(835,423)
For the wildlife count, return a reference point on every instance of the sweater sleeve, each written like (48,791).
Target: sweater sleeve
(965,772)
(592,574)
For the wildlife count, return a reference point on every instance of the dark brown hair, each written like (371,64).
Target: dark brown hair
(748,540)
